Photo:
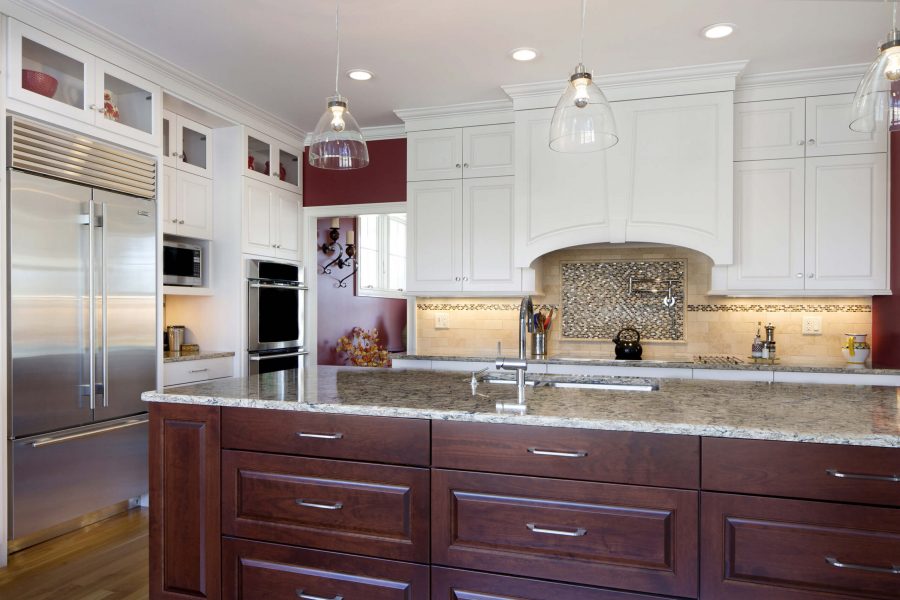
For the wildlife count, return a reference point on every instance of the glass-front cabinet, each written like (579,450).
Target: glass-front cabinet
(49,74)
(272,161)
(186,145)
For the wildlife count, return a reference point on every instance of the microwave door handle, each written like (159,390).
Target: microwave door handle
(257,357)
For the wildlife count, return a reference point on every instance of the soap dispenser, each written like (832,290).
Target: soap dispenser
(757,349)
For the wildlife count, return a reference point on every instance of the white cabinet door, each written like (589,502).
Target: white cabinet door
(671,173)
(432,155)
(828,129)
(488,150)
(259,206)
(768,212)
(287,225)
(769,129)
(434,236)
(170,200)
(488,215)
(561,199)
(193,147)
(194,198)
(134,107)
(846,222)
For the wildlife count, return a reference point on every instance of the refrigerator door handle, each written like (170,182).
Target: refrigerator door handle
(92,308)
(104,335)
(49,441)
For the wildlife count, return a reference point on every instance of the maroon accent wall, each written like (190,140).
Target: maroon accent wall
(340,309)
(886,309)
(384,180)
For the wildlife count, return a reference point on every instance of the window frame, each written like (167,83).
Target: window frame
(383,223)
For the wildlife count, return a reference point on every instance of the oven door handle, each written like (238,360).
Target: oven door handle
(278,286)
(271,356)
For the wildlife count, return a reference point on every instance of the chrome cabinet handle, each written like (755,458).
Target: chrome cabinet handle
(811,275)
(579,531)
(799,275)
(198,371)
(458,165)
(322,505)
(558,453)
(811,142)
(458,278)
(320,436)
(834,562)
(465,165)
(303,596)
(465,278)
(842,475)
(175,221)
(801,142)
(181,221)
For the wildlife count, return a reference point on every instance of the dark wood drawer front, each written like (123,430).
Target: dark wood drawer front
(797,550)
(800,470)
(373,439)
(362,508)
(259,571)
(454,584)
(613,456)
(642,539)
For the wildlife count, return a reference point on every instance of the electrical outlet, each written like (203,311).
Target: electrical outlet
(812,325)
(441,320)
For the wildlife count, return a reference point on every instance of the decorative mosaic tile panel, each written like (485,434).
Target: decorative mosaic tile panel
(597,302)
(776,308)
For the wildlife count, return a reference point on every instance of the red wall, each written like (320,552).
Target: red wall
(384,180)
(340,310)
(886,309)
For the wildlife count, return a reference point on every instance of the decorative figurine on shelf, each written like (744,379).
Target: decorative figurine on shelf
(110,110)
(266,172)
(282,172)
(362,348)
(250,162)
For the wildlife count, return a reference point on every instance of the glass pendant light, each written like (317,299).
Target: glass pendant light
(873,101)
(337,142)
(583,120)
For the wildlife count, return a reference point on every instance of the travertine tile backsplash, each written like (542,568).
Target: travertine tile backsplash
(712,325)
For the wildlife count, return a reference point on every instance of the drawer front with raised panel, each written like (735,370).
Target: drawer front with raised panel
(351,437)
(377,510)
(455,584)
(593,455)
(815,471)
(191,371)
(641,539)
(797,550)
(259,571)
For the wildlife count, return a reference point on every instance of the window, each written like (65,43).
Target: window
(381,252)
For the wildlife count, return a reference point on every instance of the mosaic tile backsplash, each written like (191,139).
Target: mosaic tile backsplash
(599,298)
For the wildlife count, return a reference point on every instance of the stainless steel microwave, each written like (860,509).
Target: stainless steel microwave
(182,264)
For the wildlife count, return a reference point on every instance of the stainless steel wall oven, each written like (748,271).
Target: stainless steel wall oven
(276,300)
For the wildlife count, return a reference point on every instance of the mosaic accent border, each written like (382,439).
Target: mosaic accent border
(467,306)
(785,308)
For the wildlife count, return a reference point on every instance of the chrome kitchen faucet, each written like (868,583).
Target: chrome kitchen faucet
(520,365)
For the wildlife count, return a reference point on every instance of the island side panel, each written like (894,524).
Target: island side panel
(185,502)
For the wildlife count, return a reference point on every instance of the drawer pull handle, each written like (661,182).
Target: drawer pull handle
(580,531)
(322,505)
(320,436)
(892,570)
(300,594)
(841,475)
(576,454)
(198,370)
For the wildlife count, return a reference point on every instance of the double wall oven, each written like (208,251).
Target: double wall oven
(276,298)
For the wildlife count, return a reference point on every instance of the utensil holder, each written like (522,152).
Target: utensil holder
(539,345)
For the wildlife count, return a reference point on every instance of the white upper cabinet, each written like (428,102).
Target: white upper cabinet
(47,74)
(847,223)
(488,213)
(187,145)
(187,204)
(434,236)
(271,221)
(288,224)
(828,130)
(274,162)
(770,129)
(483,151)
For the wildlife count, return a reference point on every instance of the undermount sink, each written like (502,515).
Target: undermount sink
(634,384)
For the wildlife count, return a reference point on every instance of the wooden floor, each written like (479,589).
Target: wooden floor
(106,560)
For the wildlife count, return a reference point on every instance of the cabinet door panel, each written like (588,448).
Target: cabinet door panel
(194,194)
(488,151)
(170,200)
(768,204)
(194,145)
(288,226)
(434,236)
(846,222)
(136,101)
(770,129)
(828,129)
(488,217)
(434,155)
(258,217)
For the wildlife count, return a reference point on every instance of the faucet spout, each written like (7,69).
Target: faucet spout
(526,324)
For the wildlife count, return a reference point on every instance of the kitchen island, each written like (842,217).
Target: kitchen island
(339,482)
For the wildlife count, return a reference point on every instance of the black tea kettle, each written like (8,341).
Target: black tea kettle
(628,346)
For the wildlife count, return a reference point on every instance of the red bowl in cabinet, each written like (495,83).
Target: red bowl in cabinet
(39,83)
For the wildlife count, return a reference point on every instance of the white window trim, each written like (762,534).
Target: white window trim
(382,252)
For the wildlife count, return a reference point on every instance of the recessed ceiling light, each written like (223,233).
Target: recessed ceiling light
(359,74)
(718,31)
(524,54)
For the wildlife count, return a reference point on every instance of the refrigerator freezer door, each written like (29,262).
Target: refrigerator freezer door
(126,282)
(49,333)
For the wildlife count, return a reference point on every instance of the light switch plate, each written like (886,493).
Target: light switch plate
(441,320)
(812,325)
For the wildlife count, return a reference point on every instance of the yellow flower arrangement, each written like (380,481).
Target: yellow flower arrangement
(362,349)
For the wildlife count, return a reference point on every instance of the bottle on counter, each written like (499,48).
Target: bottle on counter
(757,349)
(770,342)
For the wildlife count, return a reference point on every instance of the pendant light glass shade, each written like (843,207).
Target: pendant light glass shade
(337,141)
(583,120)
(873,100)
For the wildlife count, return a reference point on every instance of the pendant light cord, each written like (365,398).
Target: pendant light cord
(583,13)
(337,30)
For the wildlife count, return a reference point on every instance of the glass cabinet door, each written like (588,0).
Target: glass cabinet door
(290,167)
(129,105)
(194,147)
(259,157)
(168,138)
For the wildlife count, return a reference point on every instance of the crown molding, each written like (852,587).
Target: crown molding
(486,112)
(46,14)
(819,81)
(695,79)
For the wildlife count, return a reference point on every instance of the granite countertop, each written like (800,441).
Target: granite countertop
(666,364)
(833,414)
(170,357)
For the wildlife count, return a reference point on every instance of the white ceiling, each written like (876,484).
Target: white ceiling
(279,54)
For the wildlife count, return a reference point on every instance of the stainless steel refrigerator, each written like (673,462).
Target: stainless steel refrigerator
(82,327)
